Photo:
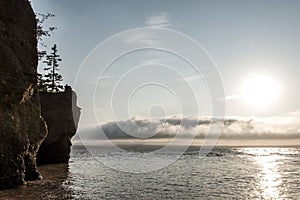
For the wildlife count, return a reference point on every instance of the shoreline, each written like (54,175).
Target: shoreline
(50,187)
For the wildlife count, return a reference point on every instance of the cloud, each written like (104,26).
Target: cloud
(276,127)
(162,19)
(150,37)
(193,78)
(103,81)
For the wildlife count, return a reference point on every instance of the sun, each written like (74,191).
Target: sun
(260,90)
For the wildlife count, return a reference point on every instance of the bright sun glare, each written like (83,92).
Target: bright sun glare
(260,90)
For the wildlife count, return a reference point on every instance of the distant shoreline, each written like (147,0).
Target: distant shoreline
(262,143)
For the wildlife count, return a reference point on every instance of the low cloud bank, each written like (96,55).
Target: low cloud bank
(276,127)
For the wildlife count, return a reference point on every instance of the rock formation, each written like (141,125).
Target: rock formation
(21,127)
(61,114)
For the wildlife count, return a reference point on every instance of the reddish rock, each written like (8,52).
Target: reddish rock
(61,114)
(21,127)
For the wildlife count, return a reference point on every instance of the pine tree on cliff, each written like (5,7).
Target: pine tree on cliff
(41,33)
(53,79)
(41,83)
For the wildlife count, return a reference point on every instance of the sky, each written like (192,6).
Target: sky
(253,45)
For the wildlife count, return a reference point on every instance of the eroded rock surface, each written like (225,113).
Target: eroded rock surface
(61,115)
(21,127)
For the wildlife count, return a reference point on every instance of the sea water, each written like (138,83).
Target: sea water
(224,173)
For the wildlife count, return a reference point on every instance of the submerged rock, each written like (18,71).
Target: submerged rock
(21,127)
(61,114)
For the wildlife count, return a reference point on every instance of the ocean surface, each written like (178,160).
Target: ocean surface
(224,173)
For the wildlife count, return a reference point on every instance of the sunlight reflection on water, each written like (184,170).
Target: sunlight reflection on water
(225,173)
(269,161)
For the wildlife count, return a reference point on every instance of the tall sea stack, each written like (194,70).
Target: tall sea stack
(21,127)
(61,113)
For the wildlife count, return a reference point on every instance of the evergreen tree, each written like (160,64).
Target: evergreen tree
(41,83)
(52,79)
(42,32)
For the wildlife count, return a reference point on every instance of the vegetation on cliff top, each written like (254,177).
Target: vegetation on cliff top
(50,80)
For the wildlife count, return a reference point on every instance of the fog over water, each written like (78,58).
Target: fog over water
(235,128)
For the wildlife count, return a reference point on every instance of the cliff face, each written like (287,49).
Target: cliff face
(61,114)
(21,127)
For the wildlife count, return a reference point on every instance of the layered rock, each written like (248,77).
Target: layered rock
(61,114)
(21,127)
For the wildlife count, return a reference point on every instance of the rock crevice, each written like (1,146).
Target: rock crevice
(22,129)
